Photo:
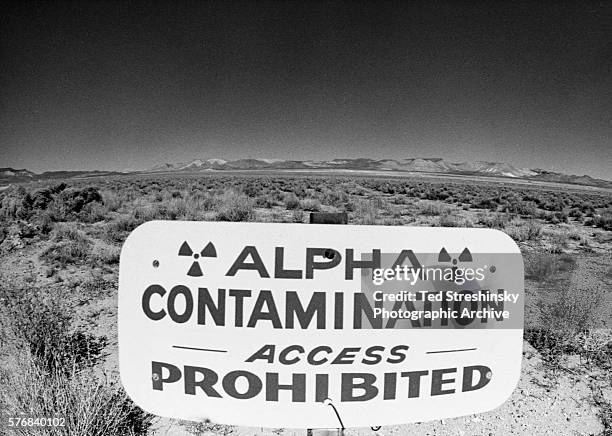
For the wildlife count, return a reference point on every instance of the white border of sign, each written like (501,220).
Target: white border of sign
(142,340)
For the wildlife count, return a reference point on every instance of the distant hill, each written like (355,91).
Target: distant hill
(14,175)
(11,175)
(406,165)
(423,165)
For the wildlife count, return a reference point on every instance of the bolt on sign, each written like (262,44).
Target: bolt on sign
(268,325)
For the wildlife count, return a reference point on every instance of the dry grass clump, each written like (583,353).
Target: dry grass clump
(69,246)
(106,255)
(51,369)
(310,204)
(522,231)
(336,197)
(571,322)
(298,216)
(42,319)
(116,231)
(430,208)
(452,220)
(366,212)
(558,241)
(547,266)
(235,206)
(603,220)
(291,201)
(576,311)
(494,220)
(91,405)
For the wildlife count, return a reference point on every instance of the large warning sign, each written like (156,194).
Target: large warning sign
(318,326)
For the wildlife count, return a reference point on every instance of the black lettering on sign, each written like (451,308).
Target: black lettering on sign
(332,255)
(297,387)
(254,384)
(264,353)
(352,263)
(437,381)
(174,293)
(208,379)
(279,269)
(146,302)
(366,385)
(414,382)
(241,264)
(217,311)
(294,308)
(157,371)
(468,377)
(258,314)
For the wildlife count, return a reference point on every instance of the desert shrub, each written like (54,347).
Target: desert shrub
(177,208)
(69,202)
(335,197)
(41,198)
(265,201)
(570,325)
(596,346)
(41,318)
(111,201)
(116,231)
(556,217)
(43,222)
(575,212)
(8,208)
(93,212)
(94,287)
(26,230)
(107,255)
(366,212)
(91,405)
(431,209)
(486,203)
(70,246)
(604,412)
(558,242)
(173,209)
(545,267)
(494,220)
(449,221)
(554,203)
(146,213)
(604,219)
(571,320)
(551,343)
(518,206)
(235,206)
(68,232)
(297,216)
(51,376)
(310,204)
(291,201)
(576,310)
(524,231)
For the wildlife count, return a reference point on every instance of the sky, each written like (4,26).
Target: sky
(128,85)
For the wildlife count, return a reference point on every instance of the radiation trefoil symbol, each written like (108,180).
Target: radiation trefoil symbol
(465,256)
(195,270)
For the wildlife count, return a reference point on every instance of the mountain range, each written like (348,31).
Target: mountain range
(392,166)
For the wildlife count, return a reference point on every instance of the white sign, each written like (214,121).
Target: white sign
(283,325)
